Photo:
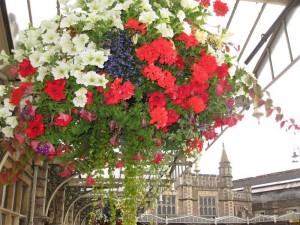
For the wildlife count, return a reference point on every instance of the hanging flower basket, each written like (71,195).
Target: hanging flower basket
(121,86)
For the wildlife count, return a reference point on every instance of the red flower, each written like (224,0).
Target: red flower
(138,157)
(90,181)
(126,90)
(205,3)
(222,86)
(222,71)
(197,104)
(156,100)
(25,68)
(208,63)
(158,157)
(220,8)
(63,120)
(87,115)
(36,127)
(65,173)
(119,164)
(180,63)
(55,89)
(89,96)
(136,25)
(17,93)
(172,117)
(159,117)
(190,40)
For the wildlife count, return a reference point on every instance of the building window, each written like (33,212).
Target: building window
(208,206)
(167,206)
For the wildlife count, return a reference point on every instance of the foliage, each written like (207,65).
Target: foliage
(129,86)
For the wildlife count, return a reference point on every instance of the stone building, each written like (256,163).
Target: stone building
(274,193)
(206,195)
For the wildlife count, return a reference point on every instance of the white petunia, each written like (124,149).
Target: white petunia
(68,21)
(49,25)
(92,78)
(181,15)
(123,6)
(8,105)
(148,17)
(189,4)
(87,57)
(102,81)
(8,132)
(42,72)
(165,13)
(186,28)
(80,77)
(61,71)
(80,101)
(165,30)
(100,58)
(11,121)
(35,58)
(50,37)
(4,112)
(80,41)
(201,36)
(80,92)
(2,90)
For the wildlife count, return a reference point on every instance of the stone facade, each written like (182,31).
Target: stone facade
(206,195)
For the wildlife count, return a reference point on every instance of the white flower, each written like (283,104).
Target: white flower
(18,54)
(35,58)
(2,90)
(68,20)
(92,78)
(80,101)
(81,92)
(8,105)
(100,5)
(42,72)
(48,25)
(145,5)
(11,121)
(61,71)
(80,77)
(87,57)
(4,112)
(80,41)
(181,15)
(4,58)
(148,17)
(165,13)
(100,58)
(50,37)
(189,4)
(201,36)
(165,30)
(187,28)
(8,132)
(102,81)
(123,6)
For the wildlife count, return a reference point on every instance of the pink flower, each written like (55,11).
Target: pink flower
(63,120)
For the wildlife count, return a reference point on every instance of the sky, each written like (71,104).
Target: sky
(253,149)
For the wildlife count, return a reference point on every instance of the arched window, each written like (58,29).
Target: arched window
(167,206)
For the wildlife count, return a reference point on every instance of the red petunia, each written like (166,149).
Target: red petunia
(25,68)
(156,100)
(89,181)
(17,93)
(136,25)
(36,127)
(220,8)
(197,104)
(205,3)
(138,157)
(158,157)
(159,117)
(120,164)
(190,40)
(222,86)
(222,71)
(89,96)
(55,89)
(63,120)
